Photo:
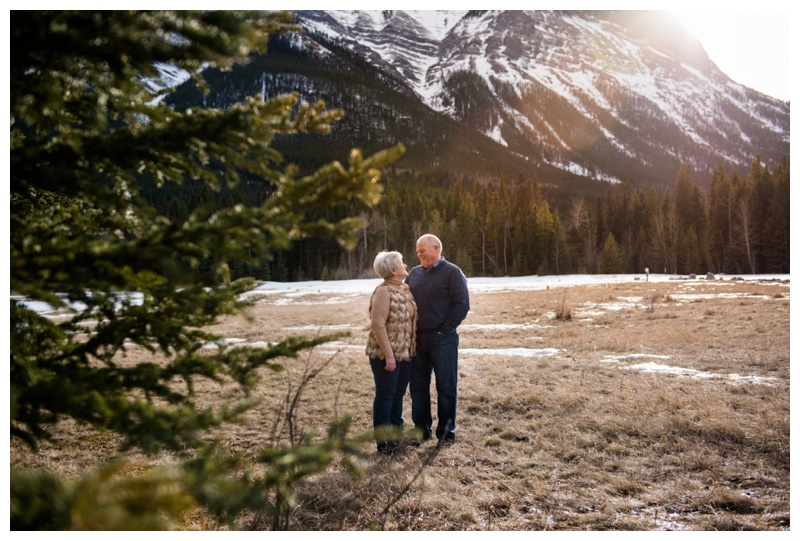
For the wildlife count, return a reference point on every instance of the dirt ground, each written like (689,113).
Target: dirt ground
(633,406)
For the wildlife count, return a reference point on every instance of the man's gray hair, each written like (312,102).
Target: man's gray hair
(431,240)
(385,262)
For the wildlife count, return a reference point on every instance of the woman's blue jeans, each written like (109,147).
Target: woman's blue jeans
(390,389)
(436,354)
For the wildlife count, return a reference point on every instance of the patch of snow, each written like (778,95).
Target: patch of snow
(47,310)
(438,23)
(657,368)
(496,133)
(321,328)
(618,358)
(339,346)
(345,291)
(501,326)
(223,342)
(705,296)
(510,352)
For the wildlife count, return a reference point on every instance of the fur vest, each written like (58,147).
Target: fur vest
(401,324)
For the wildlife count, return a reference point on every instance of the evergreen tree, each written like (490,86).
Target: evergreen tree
(611,259)
(521,242)
(720,218)
(581,234)
(745,235)
(689,248)
(639,260)
(762,186)
(86,134)
(777,224)
(469,231)
(463,261)
(690,215)
(558,248)
(544,234)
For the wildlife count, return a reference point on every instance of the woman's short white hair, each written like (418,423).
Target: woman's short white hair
(386,262)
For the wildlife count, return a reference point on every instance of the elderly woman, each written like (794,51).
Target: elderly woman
(391,345)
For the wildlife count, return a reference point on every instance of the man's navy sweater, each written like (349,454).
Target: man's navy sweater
(441,295)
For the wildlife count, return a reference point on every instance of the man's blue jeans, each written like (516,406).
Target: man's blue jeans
(390,388)
(436,354)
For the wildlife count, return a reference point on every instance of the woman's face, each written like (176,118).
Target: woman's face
(401,271)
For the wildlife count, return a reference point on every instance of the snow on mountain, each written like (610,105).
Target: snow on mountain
(406,40)
(170,76)
(602,95)
(638,86)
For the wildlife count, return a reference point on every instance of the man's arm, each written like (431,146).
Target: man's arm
(459,301)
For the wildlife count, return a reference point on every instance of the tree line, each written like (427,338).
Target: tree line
(739,226)
(732,224)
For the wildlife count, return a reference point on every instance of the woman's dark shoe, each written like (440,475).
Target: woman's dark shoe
(387,449)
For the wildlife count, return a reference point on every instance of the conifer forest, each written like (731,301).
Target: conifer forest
(730,223)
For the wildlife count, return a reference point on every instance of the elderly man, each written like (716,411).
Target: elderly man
(440,291)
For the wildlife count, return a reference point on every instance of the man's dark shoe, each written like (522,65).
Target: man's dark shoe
(416,442)
(447,441)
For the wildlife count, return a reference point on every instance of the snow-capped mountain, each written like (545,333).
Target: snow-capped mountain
(631,84)
(559,95)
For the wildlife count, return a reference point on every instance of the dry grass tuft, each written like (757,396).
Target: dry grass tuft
(564,309)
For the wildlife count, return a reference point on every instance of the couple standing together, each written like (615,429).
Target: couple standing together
(413,320)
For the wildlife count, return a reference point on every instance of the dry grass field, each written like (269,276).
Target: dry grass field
(627,406)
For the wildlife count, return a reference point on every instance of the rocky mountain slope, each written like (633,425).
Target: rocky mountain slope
(569,96)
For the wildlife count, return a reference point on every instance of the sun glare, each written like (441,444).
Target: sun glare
(750,46)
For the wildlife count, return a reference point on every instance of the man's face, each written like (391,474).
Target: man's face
(427,253)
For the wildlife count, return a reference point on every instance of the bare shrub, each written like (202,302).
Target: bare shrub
(656,296)
(564,309)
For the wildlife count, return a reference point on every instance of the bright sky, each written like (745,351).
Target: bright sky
(752,47)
